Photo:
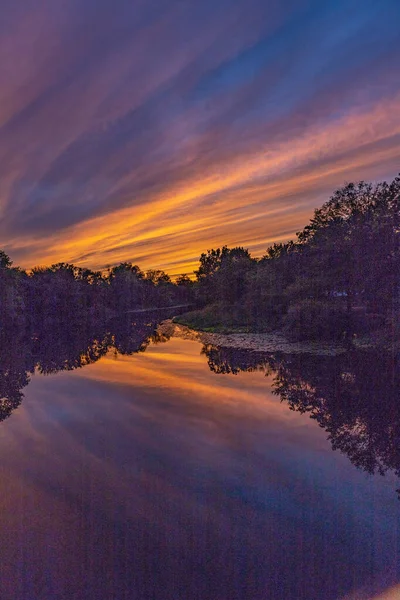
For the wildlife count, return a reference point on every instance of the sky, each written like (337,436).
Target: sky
(152,130)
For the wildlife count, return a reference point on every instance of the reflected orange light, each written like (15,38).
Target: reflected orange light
(392,593)
(178,367)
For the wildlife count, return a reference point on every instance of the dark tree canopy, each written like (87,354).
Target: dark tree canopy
(339,278)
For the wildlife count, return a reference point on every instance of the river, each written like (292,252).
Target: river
(187,472)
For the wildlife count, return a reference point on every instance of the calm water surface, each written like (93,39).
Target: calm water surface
(151,476)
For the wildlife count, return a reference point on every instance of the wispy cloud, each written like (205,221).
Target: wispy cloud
(152,132)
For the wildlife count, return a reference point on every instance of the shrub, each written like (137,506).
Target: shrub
(215,317)
(388,336)
(316,320)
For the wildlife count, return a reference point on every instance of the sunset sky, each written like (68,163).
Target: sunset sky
(151,130)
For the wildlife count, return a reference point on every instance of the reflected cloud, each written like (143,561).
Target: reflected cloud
(52,346)
(391,593)
(160,444)
(352,396)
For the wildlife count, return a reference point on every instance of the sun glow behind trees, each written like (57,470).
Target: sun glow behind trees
(339,277)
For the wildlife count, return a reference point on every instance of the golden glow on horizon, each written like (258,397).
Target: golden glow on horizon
(153,139)
(252,200)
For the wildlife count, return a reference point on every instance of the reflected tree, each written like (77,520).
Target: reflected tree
(354,397)
(16,366)
(233,360)
(51,349)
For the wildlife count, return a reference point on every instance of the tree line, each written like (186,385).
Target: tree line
(338,278)
(65,293)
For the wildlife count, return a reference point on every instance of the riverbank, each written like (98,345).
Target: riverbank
(385,338)
(257,342)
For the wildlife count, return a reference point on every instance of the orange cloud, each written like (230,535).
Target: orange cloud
(152,135)
(252,200)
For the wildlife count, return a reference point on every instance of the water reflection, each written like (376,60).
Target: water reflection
(55,347)
(150,476)
(353,396)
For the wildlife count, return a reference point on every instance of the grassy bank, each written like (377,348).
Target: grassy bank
(312,323)
(217,318)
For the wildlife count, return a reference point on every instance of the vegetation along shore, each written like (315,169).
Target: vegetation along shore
(338,281)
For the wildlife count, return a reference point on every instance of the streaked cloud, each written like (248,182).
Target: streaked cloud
(151,131)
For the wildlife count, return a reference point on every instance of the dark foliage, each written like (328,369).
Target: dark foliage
(354,397)
(338,279)
(60,347)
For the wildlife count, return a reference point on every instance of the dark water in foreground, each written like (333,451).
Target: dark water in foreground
(163,475)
